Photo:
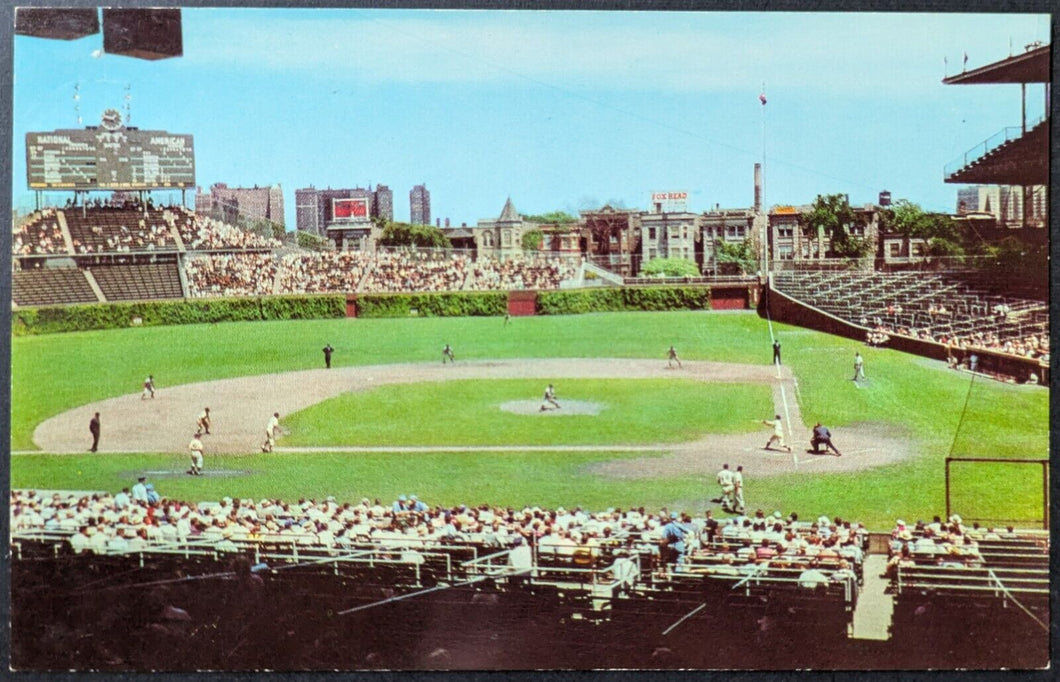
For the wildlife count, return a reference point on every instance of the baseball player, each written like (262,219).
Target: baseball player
(195,446)
(550,399)
(778,434)
(447,354)
(859,367)
(737,482)
(203,424)
(270,432)
(728,488)
(671,357)
(149,388)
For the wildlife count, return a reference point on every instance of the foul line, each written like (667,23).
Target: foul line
(783,393)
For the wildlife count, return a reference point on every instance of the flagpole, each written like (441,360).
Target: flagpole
(765,239)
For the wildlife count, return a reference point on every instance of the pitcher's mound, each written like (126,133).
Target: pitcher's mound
(568,407)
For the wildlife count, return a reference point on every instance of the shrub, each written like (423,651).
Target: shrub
(623,299)
(72,318)
(452,304)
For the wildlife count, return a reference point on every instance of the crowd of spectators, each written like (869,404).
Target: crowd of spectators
(519,272)
(307,273)
(40,235)
(942,543)
(1035,346)
(126,240)
(202,233)
(130,522)
(385,271)
(114,227)
(230,274)
(416,271)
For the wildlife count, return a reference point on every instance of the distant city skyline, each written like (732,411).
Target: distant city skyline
(557,110)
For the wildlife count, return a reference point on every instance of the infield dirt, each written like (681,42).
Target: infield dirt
(240,408)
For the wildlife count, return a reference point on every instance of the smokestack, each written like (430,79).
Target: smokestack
(758,188)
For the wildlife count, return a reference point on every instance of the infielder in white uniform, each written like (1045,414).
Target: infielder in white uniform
(195,446)
(270,432)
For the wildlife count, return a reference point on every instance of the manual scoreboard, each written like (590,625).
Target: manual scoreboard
(109,157)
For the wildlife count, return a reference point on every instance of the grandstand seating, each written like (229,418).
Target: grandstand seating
(51,286)
(119,230)
(948,308)
(40,234)
(996,599)
(138,282)
(320,563)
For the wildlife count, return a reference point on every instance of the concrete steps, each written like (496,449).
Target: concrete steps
(872,615)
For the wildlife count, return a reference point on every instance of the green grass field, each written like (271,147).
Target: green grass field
(51,374)
(467,413)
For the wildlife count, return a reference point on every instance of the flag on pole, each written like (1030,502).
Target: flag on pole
(965,60)
(762,98)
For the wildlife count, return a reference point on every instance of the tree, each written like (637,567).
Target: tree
(943,236)
(833,216)
(532,240)
(403,234)
(735,258)
(552,218)
(308,240)
(262,226)
(670,267)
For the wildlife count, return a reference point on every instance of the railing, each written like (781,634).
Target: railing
(722,279)
(988,145)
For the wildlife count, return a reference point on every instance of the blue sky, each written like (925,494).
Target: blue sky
(559,110)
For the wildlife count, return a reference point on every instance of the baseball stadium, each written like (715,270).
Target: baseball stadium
(237,447)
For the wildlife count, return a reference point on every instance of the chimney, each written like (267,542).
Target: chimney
(758,188)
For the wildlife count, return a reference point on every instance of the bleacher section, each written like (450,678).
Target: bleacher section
(948,308)
(51,286)
(138,282)
(118,230)
(40,234)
